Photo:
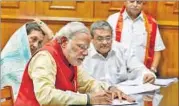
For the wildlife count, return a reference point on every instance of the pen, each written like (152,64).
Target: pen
(103,88)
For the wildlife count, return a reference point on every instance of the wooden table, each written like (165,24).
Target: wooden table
(169,93)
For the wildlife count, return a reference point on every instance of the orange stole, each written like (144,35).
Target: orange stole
(151,28)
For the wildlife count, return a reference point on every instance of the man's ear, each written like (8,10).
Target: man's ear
(63,41)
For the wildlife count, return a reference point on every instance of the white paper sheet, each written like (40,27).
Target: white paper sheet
(137,81)
(138,89)
(165,82)
(130,83)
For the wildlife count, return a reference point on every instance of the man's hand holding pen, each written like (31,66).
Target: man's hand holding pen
(107,96)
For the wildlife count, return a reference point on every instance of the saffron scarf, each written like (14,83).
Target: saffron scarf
(151,27)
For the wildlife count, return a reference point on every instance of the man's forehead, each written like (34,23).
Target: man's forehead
(36,33)
(103,32)
(80,42)
(136,0)
(80,36)
(141,1)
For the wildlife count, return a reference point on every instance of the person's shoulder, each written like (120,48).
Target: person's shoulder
(119,47)
(112,16)
(43,54)
(115,14)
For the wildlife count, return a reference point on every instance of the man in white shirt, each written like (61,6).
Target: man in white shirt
(108,61)
(139,32)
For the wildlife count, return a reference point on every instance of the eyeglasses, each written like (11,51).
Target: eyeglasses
(101,39)
(137,1)
(82,47)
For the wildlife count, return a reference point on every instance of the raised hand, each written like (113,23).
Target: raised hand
(48,32)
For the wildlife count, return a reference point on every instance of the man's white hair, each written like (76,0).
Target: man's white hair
(70,30)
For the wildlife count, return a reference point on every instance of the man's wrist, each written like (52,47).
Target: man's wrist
(50,35)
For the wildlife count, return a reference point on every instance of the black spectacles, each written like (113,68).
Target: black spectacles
(82,47)
(101,39)
(137,1)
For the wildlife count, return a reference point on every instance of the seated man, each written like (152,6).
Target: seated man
(52,78)
(109,61)
(18,50)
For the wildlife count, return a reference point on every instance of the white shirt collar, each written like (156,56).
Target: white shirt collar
(126,16)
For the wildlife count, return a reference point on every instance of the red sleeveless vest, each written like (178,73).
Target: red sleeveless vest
(149,54)
(66,78)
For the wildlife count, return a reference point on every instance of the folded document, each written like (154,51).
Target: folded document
(165,82)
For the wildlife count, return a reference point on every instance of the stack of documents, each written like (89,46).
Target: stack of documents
(127,89)
(165,82)
(130,83)
(134,82)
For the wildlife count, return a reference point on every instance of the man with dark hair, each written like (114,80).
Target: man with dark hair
(109,61)
(35,36)
(38,34)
